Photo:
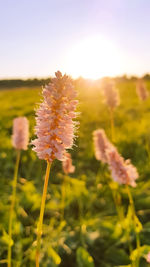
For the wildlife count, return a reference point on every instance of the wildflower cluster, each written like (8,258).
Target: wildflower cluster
(112,98)
(122,170)
(141,90)
(55,130)
(20,135)
(67,164)
(54,121)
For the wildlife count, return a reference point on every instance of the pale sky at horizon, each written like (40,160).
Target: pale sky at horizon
(80,37)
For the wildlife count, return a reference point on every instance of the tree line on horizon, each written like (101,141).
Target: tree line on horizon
(11,83)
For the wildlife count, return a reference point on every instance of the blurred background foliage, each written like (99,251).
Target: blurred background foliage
(89,234)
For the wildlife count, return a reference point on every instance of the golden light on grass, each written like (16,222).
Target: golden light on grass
(93,58)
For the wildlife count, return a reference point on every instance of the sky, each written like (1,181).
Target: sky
(89,38)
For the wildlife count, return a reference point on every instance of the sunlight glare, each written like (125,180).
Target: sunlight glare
(93,58)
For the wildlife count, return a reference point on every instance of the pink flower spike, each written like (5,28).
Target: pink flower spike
(20,137)
(122,170)
(141,90)
(54,119)
(67,164)
(112,98)
(101,144)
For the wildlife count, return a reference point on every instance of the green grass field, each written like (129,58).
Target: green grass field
(90,223)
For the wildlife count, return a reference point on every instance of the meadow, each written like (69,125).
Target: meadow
(89,233)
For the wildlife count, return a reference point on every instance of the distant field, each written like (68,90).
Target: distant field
(89,202)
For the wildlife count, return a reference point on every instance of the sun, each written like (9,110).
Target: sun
(93,57)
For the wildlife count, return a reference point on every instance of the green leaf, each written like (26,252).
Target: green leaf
(128,222)
(132,222)
(139,226)
(121,257)
(141,252)
(6,239)
(113,185)
(84,259)
(53,254)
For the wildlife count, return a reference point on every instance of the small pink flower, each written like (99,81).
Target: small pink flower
(148,257)
(141,90)
(122,170)
(20,137)
(101,144)
(112,98)
(67,164)
(54,122)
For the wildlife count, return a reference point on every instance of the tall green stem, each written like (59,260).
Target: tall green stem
(120,212)
(117,200)
(112,124)
(40,224)
(82,226)
(118,205)
(134,216)
(63,197)
(12,207)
